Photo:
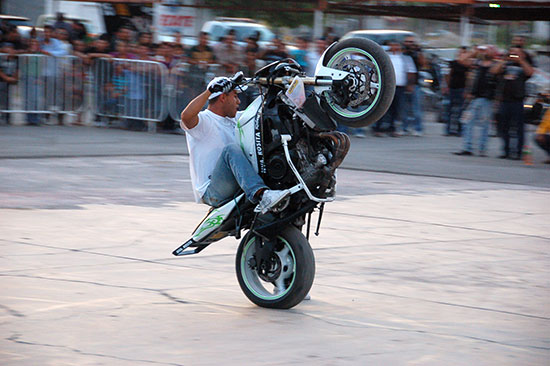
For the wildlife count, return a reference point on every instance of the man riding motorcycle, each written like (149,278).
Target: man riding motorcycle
(219,168)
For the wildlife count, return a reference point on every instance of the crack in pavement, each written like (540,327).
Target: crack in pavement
(437,302)
(11,311)
(440,225)
(15,339)
(361,325)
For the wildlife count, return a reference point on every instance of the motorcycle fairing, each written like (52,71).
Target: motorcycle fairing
(246,134)
(209,230)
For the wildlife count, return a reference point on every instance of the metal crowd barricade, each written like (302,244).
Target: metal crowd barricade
(130,89)
(186,82)
(45,84)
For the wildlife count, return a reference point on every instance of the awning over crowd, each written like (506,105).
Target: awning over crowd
(479,11)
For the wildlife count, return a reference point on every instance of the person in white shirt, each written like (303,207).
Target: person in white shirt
(219,167)
(405,70)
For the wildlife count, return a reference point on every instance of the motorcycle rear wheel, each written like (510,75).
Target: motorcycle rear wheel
(373,67)
(294,257)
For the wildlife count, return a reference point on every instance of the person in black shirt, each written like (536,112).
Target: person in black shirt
(480,93)
(276,53)
(519,42)
(513,70)
(456,82)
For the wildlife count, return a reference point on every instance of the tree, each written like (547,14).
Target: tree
(276,13)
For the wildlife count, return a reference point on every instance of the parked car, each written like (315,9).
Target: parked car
(380,36)
(243,27)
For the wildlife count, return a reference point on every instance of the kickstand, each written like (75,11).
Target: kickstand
(308,224)
(321,209)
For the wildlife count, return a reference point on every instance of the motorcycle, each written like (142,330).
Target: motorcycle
(289,135)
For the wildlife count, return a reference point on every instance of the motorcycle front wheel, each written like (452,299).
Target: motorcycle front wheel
(374,71)
(285,280)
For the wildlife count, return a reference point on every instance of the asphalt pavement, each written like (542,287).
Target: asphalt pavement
(425,258)
(429,155)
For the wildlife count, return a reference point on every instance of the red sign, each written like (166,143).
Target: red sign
(167,20)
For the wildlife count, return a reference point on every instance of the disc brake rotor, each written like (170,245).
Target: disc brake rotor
(361,75)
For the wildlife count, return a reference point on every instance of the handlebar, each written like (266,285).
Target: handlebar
(286,80)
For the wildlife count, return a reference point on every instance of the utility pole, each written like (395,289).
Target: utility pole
(318,19)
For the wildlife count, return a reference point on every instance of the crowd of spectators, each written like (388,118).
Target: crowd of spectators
(482,87)
(486,86)
(65,38)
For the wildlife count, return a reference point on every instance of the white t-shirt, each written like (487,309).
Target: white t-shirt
(402,64)
(205,142)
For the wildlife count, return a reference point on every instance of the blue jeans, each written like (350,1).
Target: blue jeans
(480,111)
(414,111)
(394,113)
(454,111)
(512,120)
(232,173)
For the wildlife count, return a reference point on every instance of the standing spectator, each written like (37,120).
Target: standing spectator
(99,48)
(124,34)
(80,71)
(249,63)
(146,39)
(78,31)
(202,54)
(480,94)
(101,68)
(413,98)
(136,110)
(8,76)
(300,53)
(315,54)
(143,53)
(542,135)
(514,71)
(60,23)
(330,36)
(456,82)
(200,57)
(121,51)
(115,91)
(33,84)
(405,70)
(165,55)
(79,50)
(229,54)
(519,42)
(63,36)
(13,37)
(52,46)
(52,72)
(275,53)
(252,42)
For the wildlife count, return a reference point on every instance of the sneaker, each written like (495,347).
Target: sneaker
(270,199)
(463,153)
(359,134)
(417,133)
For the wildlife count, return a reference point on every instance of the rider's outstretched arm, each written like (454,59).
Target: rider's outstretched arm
(189,116)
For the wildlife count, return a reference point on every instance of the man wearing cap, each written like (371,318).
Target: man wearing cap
(218,165)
